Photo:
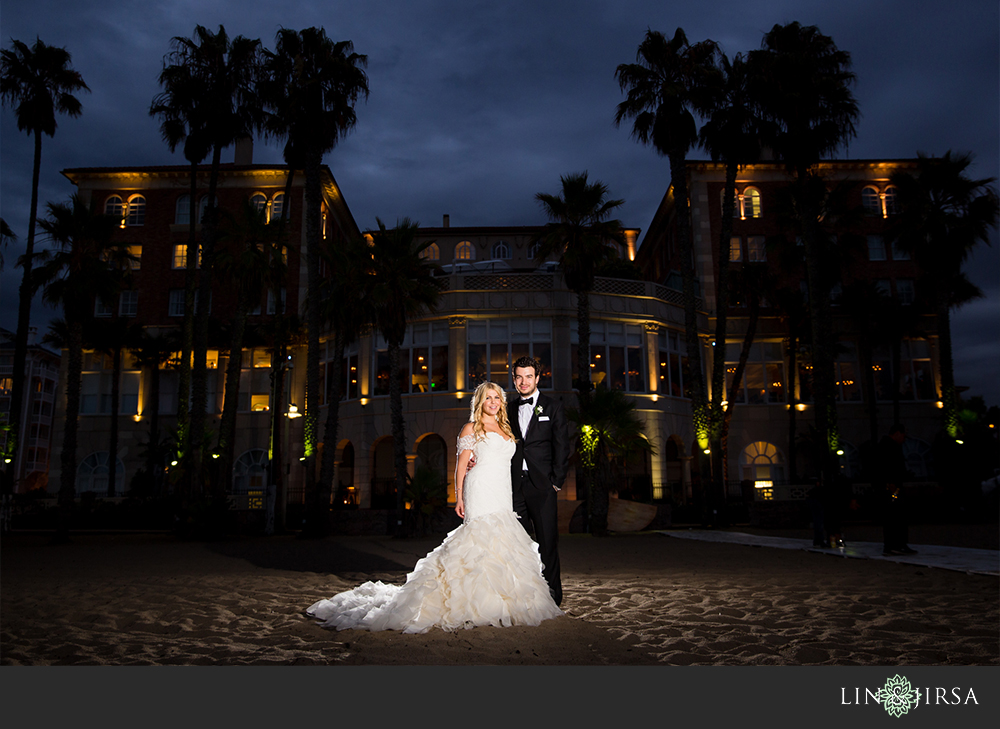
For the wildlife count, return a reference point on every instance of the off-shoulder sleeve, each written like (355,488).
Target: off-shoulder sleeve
(465,443)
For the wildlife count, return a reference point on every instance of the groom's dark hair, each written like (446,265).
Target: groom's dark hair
(527,362)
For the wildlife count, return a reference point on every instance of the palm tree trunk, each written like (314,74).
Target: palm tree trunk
(26,293)
(187,334)
(230,402)
(154,466)
(67,458)
(116,374)
(583,348)
(398,435)
(336,371)
(949,398)
(793,400)
(317,510)
(751,332)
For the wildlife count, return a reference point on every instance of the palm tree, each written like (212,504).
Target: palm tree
(582,234)
(84,265)
(7,236)
(403,288)
(803,84)
(153,350)
(310,87)
(39,83)
(665,87)
(943,215)
(610,432)
(210,101)
(731,133)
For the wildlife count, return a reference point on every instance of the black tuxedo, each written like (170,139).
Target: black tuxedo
(545,448)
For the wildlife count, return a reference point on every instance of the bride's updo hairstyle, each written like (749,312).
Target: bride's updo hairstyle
(476,411)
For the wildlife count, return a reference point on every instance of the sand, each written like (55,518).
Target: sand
(631,600)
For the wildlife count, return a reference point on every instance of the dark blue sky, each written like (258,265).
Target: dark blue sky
(475,107)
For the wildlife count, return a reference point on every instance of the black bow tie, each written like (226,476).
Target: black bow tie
(524,401)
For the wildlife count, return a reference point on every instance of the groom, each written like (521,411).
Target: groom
(539,466)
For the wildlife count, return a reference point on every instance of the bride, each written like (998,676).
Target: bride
(485,572)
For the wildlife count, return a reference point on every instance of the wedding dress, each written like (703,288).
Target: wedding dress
(485,572)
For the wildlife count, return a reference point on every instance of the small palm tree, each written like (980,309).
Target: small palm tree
(39,83)
(84,264)
(583,235)
(943,215)
(609,433)
(403,288)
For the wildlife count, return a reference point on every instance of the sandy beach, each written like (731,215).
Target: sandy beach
(630,599)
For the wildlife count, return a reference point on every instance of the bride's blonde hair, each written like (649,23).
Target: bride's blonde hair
(476,411)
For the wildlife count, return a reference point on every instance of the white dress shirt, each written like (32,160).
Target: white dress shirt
(524,413)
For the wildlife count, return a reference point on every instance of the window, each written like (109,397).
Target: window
(763,465)
(501,250)
(898,254)
(136,210)
(277,205)
(92,475)
(350,373)
(259,201)
(763,378)
(180,256)
(465,252)
(890,200)
(136,252)
(423,359)
(876,248)
(431,252)
(203,205)
(735,249)
(916,380)
(270,300)
(750,200)
(495,344)
(101,308)
(115,207)
(250,471)
(847,387)
(176,303)
(871,201)
(128,303)
(905,291)
(673,364)
(882,285)
(255,381)
(617,355)
(182,210)
(533,250)
(755,249)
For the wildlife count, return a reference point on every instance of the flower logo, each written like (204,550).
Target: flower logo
(897,696)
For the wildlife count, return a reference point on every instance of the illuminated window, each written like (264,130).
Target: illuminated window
(259,201)
(617,355)
(136,253)
(182,210)
(423,360)
(876,248)
(136,210)
(871,201)
(762,464)
(763,378)
(847,387)
(115,207)
(501,250)
(431,252)
(277,205)
(673,364)
(751,203)
(464,251)
(735,249)
(180,256)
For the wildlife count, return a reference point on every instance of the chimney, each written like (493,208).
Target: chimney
(244,151)
(447,221)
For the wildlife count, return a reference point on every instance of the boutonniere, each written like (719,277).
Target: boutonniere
(538,410)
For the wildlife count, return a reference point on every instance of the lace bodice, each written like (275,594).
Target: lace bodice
(487,485)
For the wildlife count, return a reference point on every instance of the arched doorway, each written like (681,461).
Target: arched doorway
(92,475)
(763,465)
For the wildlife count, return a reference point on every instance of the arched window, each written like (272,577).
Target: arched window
(431,252)
(890,200)
(136,210)
(259,201)
(203,204)
(871,201)
(751,203)
(115,207)
(250,471)
(465,252)
(277,205)
(182,210)
(533,250)
(501,250)
(92,475)
(762,464)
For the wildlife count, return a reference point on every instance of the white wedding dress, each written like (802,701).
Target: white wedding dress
(485,572)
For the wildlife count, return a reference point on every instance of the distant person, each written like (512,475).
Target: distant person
(891,464)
